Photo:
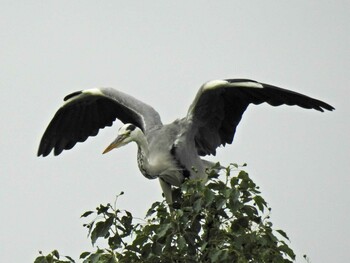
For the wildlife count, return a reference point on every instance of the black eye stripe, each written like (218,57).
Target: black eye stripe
(131,127)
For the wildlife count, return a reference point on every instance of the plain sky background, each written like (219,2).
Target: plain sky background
(161,52)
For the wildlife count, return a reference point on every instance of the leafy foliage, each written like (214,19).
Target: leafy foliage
(221,221)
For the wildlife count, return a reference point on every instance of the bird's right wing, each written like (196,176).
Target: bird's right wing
(85,112)
(219,105)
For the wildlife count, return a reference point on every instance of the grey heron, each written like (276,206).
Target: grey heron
(168,152)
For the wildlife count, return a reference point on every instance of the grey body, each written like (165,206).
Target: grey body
(173,157)
(169,152)
(172,153)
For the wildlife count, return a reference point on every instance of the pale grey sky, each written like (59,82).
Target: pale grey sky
(161,52)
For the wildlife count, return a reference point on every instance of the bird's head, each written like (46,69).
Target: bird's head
(127,133)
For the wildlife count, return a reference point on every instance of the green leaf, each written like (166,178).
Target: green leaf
(146,250)
(251,211)
(94,258)
(84,255)
(260,202)
(220,202)
(102,209)
(87,213)
(41,259)
(197,205)
(101,229)
(181,242)
(215,256)
(127,222)
(140,239)
(190,238)
(55,254)
(115,241)
(234,165)
(282,233)
(152,209)
(157,248)
(163,229)
(70,259)
(287,250)
(217,186)
(243,175)
(106,258)
(208,196)
(234,182)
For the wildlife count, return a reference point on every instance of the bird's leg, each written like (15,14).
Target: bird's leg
(167,191)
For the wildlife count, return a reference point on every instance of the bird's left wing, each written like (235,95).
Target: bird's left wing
(219,105)
(85,112)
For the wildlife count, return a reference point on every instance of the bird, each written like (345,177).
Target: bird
(171,153)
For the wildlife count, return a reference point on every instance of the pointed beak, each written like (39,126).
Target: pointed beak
(115,144)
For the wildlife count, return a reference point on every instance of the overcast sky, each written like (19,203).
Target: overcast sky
(161,53)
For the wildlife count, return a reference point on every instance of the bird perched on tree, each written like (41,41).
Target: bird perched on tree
(170,152)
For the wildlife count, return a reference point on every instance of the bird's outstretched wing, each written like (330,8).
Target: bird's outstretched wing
(219,105)
(85,112)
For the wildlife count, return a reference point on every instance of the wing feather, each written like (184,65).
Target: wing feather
(219,106)
(86,112)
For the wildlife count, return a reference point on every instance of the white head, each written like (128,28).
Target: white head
(127,133)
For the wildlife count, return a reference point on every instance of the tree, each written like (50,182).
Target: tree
(225,220)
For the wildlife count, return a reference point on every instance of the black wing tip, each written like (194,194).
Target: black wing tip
(329,107)
(74,94)
(42,151)
(56,151)
(322,106)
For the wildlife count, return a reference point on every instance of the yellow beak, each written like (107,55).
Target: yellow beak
(115,144)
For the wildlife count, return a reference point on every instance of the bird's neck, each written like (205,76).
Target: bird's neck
(142,157)
(142,145)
